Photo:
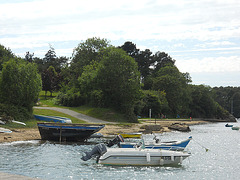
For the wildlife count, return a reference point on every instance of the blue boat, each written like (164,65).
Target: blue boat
(55,119)
(67,132)
(228,125)
(171,145)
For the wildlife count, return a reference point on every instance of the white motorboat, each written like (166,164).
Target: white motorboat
(135,156)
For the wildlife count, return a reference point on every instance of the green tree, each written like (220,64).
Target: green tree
(154,100)
(174,83)
(49,80)
(5,55)
(228,98)
(162,59)
(203,104)
(85,53)
(20,84)
(119,81)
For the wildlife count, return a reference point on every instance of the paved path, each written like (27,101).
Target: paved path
(75,114)
(6,176)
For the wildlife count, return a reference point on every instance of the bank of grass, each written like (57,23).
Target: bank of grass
(47,112)
(32,123)
(100,113)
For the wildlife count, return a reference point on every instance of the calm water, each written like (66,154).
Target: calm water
(47,160)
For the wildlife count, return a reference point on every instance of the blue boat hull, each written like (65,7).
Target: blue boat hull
(173,145)
(67,132)
(55,119)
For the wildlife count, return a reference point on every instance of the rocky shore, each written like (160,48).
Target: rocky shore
(146,127)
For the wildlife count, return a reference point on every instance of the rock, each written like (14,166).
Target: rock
(152,127)
(148,129)
(179,127)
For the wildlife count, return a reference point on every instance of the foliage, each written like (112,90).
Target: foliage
(203,104)
(228,98)
(154,100)
(71,98)
(119,80)
(5,55)
(171,81)
(50,80)
(18,113)
(85,53)
(20,84)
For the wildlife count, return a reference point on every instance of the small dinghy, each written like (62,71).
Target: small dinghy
(235,128)
(228,125)
(4,130)
(135,156)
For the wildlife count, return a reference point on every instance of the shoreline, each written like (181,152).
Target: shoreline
(25,134)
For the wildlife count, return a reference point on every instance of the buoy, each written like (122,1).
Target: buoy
(161,161)
(172,157)
(148,157)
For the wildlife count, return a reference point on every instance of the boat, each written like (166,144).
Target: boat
(4,130)
(135,156)
(235,128)
(170,145)
(67,132)
(55,119)
(228,125)
(96,135)
(131,135)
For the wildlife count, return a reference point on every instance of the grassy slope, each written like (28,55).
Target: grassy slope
(100,113)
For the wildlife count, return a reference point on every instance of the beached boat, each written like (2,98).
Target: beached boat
(131,135)
(228,125)
(170,145)
(4,130)
(55,119)
(235,128)
(67,132)
(135,156)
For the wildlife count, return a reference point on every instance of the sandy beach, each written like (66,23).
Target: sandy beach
(109,129)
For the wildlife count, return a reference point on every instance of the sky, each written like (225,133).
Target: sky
(202,36)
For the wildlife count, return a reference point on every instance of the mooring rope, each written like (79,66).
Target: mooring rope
(201,145)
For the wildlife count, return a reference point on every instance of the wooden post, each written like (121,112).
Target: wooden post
(60,138)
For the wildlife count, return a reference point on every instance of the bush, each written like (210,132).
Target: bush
(17,113)
(70,99)
(97,98)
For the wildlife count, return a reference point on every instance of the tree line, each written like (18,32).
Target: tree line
(123,78)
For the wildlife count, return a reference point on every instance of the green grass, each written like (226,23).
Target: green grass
(47,112)
(100,113)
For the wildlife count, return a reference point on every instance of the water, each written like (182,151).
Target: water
(46,160)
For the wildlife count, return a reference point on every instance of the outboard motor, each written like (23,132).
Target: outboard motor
(116,140)
(98,151)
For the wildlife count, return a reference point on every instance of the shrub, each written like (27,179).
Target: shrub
(17,113)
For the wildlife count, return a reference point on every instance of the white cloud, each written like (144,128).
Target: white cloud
(189,29)
(210,64)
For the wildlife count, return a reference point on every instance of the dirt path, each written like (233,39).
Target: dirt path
(76,115)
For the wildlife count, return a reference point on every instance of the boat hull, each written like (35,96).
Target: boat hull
(131,135)
(55,119)
(235,128)
(67,132)
(142,157)
(173,145)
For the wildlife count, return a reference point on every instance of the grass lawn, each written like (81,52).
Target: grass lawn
(100,113)
(47,112)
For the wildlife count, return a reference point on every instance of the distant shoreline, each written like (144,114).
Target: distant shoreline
(109,129)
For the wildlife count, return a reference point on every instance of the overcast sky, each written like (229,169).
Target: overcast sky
(203,36)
